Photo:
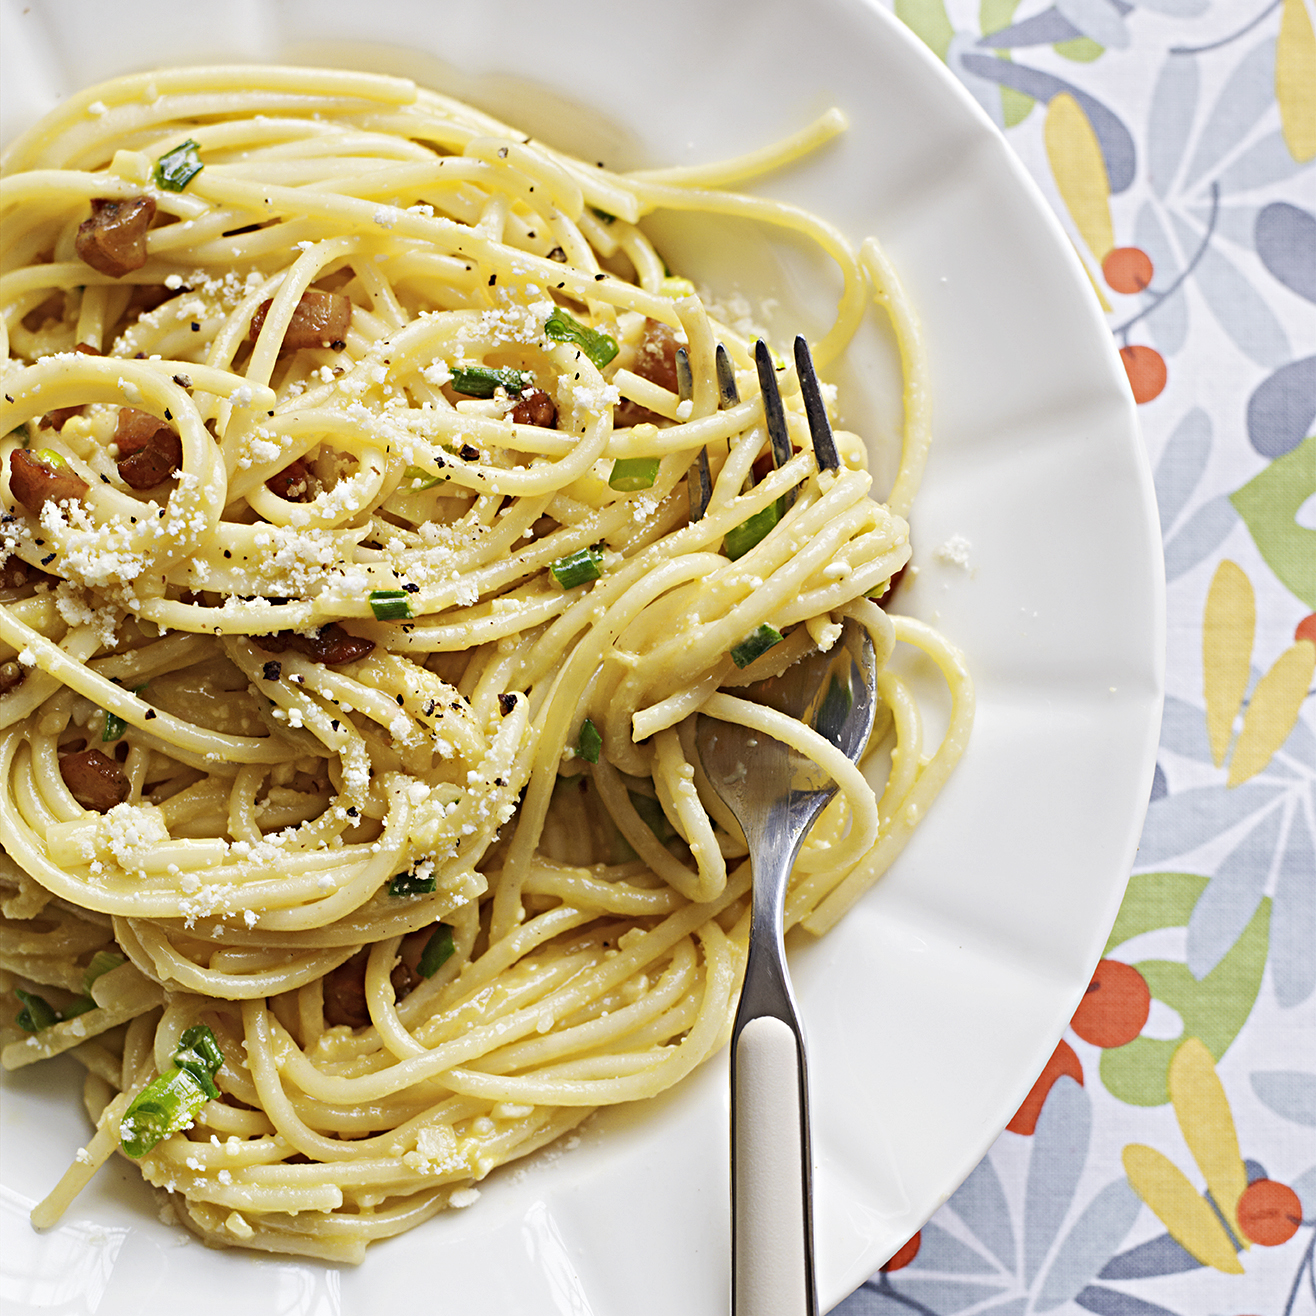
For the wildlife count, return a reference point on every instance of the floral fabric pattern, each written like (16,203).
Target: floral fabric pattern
(1165,1162)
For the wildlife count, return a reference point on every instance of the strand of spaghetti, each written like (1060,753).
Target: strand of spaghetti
(214,746)
(560,1003)
(812,903)
(831,123)
(890,295)
(807,742)
(549,1089)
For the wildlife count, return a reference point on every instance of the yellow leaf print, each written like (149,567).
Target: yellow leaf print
(1207,1125)
(1231,619)
(1295,80)
(1274,709)
(1080,172)
(1179,1207)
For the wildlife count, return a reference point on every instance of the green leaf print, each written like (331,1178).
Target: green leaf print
(1269,505)
(1213,1009)
(927,20)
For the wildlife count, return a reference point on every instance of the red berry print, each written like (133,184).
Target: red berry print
(1145,367)
(906,1254)
(1306,628)
(1269,1213)
(1064,1060)
(1127,269)
(1115,1006)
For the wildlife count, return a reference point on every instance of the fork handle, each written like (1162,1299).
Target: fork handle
(771,1261)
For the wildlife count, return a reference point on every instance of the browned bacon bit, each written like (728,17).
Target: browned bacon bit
(404,978)
(150,450)
(535,408)
(331,645)
(15,573)
(292,483)
(56,419)
(33,481)
(113,240)
(320,319)
(86,349)
(345,993)
(655,360)
(94,779)
(11,676)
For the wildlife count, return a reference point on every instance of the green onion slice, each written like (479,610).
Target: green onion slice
(576,568)
(632,473)
(438,949)
(753,530)
(198,1053)
(390,604)
(115,726)
(412,884)
(755,645)
(590,742)
(37,1012)
(165,1106)
(597,346)
(175,169)
(482,381)
(170,1103)
(102,962)
(415,478)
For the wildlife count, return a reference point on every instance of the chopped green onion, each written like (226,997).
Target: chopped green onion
(165,1106)
(413,884)
(740,539)
(438,949)
(482,381)
(590,742)
(576,568)
(417,478)
(597,346)
(632,473)
(115,726)
(675,287)
(652,815)
(37,1012)
(199,1054)
(101,963)
(49,457)
(78,1005)
(170,1103)
(175,169)
(755,645)
(603,216)
(390,604)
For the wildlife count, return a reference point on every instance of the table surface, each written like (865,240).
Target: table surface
(1165,1163)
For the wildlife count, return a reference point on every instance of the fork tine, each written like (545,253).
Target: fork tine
(700,487)
(726,379)
(824,446)
(685,380)
(773,413)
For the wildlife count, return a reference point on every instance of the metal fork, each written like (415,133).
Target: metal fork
(824,446)
(777,794)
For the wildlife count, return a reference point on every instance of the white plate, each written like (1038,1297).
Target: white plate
(936,1002)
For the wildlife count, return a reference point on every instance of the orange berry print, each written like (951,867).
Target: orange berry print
(1145,367)
(1127,269)
(1269,1213)
(1115,1006)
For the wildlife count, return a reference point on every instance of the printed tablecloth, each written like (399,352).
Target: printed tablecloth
(1165,1162)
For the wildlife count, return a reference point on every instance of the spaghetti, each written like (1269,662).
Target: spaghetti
(356,608)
